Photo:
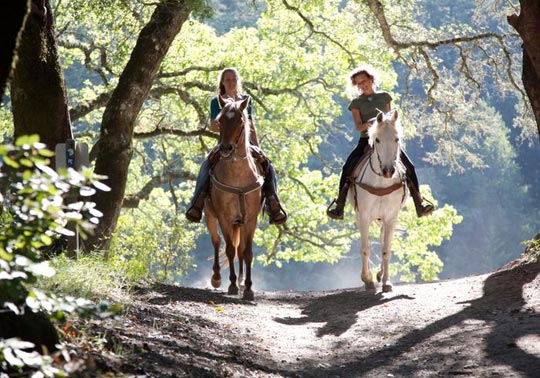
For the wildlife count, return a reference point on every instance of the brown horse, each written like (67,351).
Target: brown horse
(234,202)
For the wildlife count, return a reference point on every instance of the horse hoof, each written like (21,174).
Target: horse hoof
(216,282)
(248,295)
(370,286)
(233,290)
(379,275)
(386,288)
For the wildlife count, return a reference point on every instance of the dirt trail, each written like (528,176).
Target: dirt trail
(480,326)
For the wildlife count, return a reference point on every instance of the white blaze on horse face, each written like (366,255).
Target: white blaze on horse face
(387,146)
(230,114)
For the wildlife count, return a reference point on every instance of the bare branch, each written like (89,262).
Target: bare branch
(133,200)
(184,72)
(82,110)
(88,49)
(174,131)
(315,31)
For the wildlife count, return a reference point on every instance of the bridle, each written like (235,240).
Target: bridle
(230,151)
(376,151)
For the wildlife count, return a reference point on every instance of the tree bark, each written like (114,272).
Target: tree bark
(38,93)
(527,24)
(116,135)
(11,22)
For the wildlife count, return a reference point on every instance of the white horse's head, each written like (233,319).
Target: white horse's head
(385,137)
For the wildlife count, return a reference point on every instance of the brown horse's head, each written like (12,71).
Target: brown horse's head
(234,127)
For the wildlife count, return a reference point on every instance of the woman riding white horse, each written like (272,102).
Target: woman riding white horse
(379,192)
(364,109)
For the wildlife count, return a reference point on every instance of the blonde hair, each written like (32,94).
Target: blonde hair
(365,69)
(220,89)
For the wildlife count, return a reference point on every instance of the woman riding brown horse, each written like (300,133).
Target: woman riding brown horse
(234,202)
(230,87)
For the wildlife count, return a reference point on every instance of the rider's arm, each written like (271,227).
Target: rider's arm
(214,112)
(388,106)
(357,118)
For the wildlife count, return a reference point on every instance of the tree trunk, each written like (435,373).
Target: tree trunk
(531,82)
(115,146)
(38,94)
(11,21)
(527,24)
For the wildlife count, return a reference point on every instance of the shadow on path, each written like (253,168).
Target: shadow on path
(502,293)
(338,311)
(187,294)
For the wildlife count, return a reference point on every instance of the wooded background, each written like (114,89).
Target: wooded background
(134,80)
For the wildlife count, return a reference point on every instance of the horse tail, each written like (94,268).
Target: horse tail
(236,238)
(223,260)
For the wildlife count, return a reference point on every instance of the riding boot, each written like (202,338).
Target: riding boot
(335,210)
(273,207)
(194,212)
(421,210)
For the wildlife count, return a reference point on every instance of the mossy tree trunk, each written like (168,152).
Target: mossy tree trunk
(527,24)
(29,60)
(38,92)
(115,145)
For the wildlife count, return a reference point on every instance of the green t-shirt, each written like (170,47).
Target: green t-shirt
(370,106)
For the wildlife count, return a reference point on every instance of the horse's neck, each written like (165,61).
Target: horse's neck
(240,168)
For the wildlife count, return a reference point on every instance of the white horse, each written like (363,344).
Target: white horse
(379,193)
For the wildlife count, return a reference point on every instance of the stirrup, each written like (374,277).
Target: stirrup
(278,217)
(335,213)
(425,210)
(194,214)
(275,211)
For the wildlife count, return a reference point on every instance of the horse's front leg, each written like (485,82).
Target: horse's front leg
(367,277)
(211,224)
(387,233)
(233,288)
(248,258)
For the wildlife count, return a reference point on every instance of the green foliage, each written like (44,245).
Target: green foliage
(152,240)
(15,357)
(36,213)
(294,57)
(89,276)
(295,72)
(532,250)
(413,245)
(40,207)
(6,122)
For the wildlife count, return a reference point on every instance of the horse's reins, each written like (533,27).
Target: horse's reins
(234,147)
